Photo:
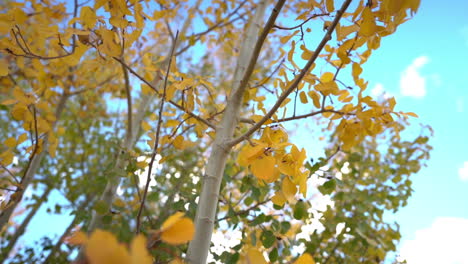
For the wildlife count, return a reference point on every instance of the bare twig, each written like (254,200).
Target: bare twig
(311,114)
(244,211)
(301,24)
(156,142)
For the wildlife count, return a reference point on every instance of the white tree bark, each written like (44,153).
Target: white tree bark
(207,206)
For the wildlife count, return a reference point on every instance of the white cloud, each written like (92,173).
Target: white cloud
(444,242)
(463,172)
(379,91)
(412,83)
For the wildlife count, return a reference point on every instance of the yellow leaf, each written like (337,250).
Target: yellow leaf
(139,253)
(145,125)
(109,45)
(289,189)
(19,15)
(9,102)
(10,142)
(286,38)
(368,26)
(330,6)
(19,111)
(179,142)
(77,238)
(327,77)
(305,259)
(255,256)
(146,89)
(278,199)
(88,17)
(103,248)
(315,98)
(306,55)
(7,157)
(99,3)
(291,54)
(263,167)
(303,97)
(345,31)
(3,68)
(412,114)
(22,138)
(177,229)
(357,70)
(252,153)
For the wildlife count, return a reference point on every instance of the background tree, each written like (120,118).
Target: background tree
(104,97)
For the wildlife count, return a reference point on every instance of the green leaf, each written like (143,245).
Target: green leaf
(273,255)
(101,207)
(233,258)
(285,226)
(300,210)
(328,187)
(268,238)
(258,220)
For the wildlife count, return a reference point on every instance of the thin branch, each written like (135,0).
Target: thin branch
(36,146)
(9,172)
(8,189)
(75,14)
(311,114)
(220,24)
(243,211)
(298,79)
(192,114)
(265,80)
(301,24)
(27,52)
(129,103)
(156,142)
(347,54)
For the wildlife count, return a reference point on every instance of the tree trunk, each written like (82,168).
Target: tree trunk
(207,206)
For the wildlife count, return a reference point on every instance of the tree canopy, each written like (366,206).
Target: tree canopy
(162,122)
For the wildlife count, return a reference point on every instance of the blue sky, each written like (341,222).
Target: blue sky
(425,66)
